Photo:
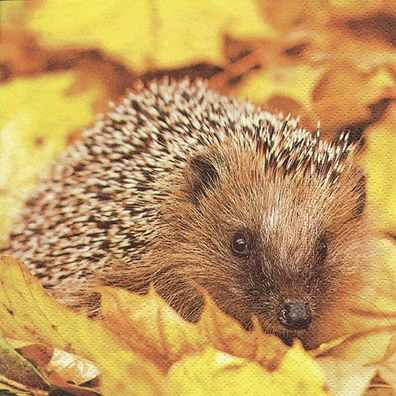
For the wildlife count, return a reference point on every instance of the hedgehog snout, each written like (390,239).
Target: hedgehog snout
(295,315)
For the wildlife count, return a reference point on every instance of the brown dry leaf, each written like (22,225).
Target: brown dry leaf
(16,368)
(148,324)
(60,369)
(38,354)
(343,94)
(29,313)
(12,388)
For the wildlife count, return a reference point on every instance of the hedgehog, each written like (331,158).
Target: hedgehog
(183,189)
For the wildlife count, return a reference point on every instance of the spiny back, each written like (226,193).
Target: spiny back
(103,196)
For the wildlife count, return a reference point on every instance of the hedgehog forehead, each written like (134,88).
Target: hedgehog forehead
(251,195)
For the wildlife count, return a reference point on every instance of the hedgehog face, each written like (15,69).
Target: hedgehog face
(262,246)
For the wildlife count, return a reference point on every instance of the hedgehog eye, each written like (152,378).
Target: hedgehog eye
(240,245)
(322,249)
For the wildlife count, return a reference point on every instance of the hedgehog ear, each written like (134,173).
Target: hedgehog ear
(202,175)
(360,193)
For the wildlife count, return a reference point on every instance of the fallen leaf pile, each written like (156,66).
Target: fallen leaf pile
(327,61)
(142,346)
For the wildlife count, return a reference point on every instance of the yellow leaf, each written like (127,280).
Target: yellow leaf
(379,161)
(361,357)
(372,332)
(144,34)
(376,302)
(10,11)
(371,310)
(294,82)
(387,367)
(149,325)
(369,346)
(218,373)
(35,117)
(29,313)
(227,334)
(345,378)
(300,373)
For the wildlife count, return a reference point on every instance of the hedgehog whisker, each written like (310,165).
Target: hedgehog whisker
(384,315)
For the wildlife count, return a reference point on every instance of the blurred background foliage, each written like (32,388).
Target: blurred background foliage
(327,61)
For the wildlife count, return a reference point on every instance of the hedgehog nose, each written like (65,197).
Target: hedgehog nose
(295,315)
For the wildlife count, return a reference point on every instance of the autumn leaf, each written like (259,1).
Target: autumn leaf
(219,373)
(16,368)
(379,161)
(369,348)
(344,94)
(226,334)
(191,356)
(278,87)
(372,308)
(148,324)
(387,365)
(71,368)
(29,313)
(346,378)
(145,36)
(59,368)
(306,72)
